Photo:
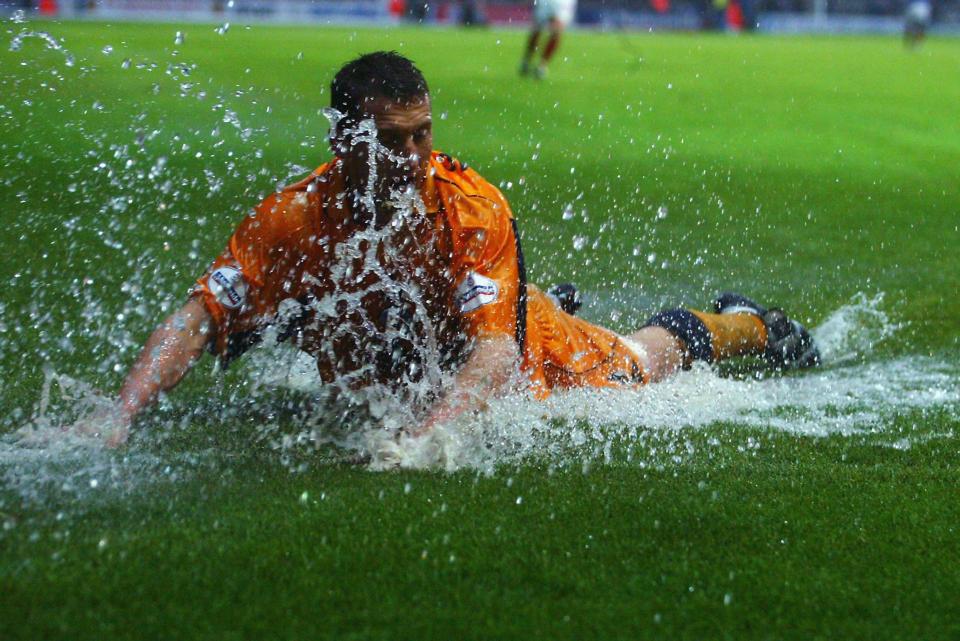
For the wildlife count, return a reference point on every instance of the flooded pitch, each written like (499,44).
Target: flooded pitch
(141,185)
(851,395)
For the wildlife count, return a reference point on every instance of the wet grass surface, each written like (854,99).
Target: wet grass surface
(766,536)
(804,169)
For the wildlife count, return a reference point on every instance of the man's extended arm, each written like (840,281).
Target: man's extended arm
(167,356)
(486,374)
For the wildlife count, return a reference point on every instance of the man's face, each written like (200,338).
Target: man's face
(405,140)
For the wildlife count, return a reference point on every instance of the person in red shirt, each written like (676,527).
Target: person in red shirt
(396,265)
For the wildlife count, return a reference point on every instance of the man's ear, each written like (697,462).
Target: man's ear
(338,138)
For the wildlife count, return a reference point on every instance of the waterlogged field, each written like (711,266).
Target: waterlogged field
(820,174)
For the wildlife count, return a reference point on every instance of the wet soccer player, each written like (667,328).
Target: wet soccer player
(395,265)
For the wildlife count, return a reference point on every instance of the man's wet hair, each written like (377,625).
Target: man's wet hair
(381,74)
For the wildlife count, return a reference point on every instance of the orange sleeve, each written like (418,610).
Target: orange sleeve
(238,288)
(488,272)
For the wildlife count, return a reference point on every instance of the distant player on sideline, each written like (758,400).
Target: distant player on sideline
(554,16)
(313,260)
(916,22)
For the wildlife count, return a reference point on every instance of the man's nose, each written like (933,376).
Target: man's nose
(410,151)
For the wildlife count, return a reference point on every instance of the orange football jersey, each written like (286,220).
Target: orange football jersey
(368,303)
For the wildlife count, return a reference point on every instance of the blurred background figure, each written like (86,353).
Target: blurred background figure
(714,15)
(420,11)
(551,16)
(916,23)
(728,15)
(471,14)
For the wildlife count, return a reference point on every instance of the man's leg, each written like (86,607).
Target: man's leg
(532,40)
(556,29)
(662,352)
(739,327)
(674,339)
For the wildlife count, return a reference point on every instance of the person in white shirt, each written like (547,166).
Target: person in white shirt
(551,16)
(917,20)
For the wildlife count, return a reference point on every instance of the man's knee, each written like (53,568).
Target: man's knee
(686,326)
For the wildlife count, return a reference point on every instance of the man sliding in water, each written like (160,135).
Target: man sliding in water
(392,252)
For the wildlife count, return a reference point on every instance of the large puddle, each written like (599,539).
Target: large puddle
(852,394)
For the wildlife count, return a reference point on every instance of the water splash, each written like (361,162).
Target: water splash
(76,400)
(16,43)
(844,397)
(651,426)
(582,425)
(379,262)
(135,179)
(851,332)
(49,457)
(73,470)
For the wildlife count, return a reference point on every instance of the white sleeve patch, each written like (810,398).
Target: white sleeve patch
(228,287)
(476,291)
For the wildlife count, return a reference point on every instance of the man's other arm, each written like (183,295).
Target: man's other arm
(487,373)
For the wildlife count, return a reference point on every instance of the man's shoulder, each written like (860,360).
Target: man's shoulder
(292,210)
(322,175)
(301,196)
(465,191)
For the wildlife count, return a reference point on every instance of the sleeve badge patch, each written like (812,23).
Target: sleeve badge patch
(228,286)
(476,291)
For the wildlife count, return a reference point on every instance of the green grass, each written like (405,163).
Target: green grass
(804,170)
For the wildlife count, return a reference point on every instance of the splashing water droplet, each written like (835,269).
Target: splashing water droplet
(17,43)
(579,242)
(107,50)
(179,38)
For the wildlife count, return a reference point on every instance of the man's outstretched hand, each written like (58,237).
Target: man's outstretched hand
(104,427)
(168,355)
